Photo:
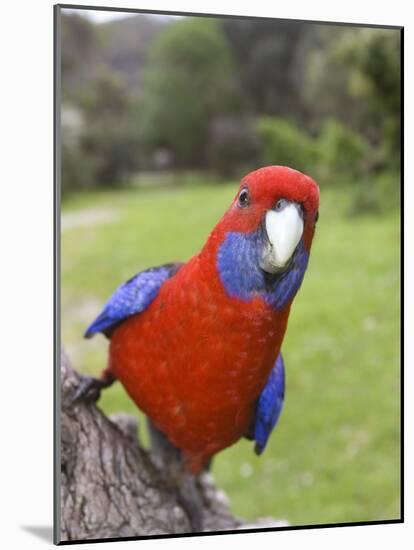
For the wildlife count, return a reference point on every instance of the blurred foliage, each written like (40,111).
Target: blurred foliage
(271,56)
(77,171)
(376,78)
(78,55)
(233,146)
(333,155)
(225,96)
(112,131)
(354,76)
(342,153)
(284,143)
(103,151)
(189,81)
(124,46)
(375,195)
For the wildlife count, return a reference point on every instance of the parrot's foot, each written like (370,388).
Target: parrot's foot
(190,500)
(169,461)
(89,388)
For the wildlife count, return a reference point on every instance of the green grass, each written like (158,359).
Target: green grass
(334,457)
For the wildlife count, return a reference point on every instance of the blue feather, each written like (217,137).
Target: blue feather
(238,264)
(269,405)
(131,298)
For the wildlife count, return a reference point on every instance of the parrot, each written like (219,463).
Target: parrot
(197,344)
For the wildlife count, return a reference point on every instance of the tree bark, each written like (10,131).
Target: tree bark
(110,486)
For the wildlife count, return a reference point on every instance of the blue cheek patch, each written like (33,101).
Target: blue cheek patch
(285,289)
(239,270)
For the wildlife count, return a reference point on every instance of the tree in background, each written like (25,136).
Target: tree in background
(353,76)
(99,114)
(271,55)
(190,81)
(326,93)
(79,55)
(111,136)
(375,79)
(101,141)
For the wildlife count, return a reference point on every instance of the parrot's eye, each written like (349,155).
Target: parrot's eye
(244,198)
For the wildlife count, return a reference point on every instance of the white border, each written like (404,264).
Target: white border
(26,267)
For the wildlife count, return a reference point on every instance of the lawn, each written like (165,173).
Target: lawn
(334,457)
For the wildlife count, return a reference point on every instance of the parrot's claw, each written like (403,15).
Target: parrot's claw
(169,460)
(89,389)
(192,506)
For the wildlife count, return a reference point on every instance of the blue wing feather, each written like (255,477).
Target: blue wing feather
(131,298)
(269,405)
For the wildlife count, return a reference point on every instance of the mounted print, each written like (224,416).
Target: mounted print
(228,257)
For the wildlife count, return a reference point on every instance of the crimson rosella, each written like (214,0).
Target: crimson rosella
(196,345)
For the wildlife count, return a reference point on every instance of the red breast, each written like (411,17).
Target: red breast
(195,361)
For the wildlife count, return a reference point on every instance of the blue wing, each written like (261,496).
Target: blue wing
(131,298)
(269,405)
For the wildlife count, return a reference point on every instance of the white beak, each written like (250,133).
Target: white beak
(284,231)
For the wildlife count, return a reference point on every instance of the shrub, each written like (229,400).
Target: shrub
(342,153)
(111,132)
(76,166)
(336,155)
(284,143)
(233,146)
(76,170)
(113,149)
(376,194)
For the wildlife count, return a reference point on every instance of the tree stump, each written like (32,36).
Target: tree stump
(110,486)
